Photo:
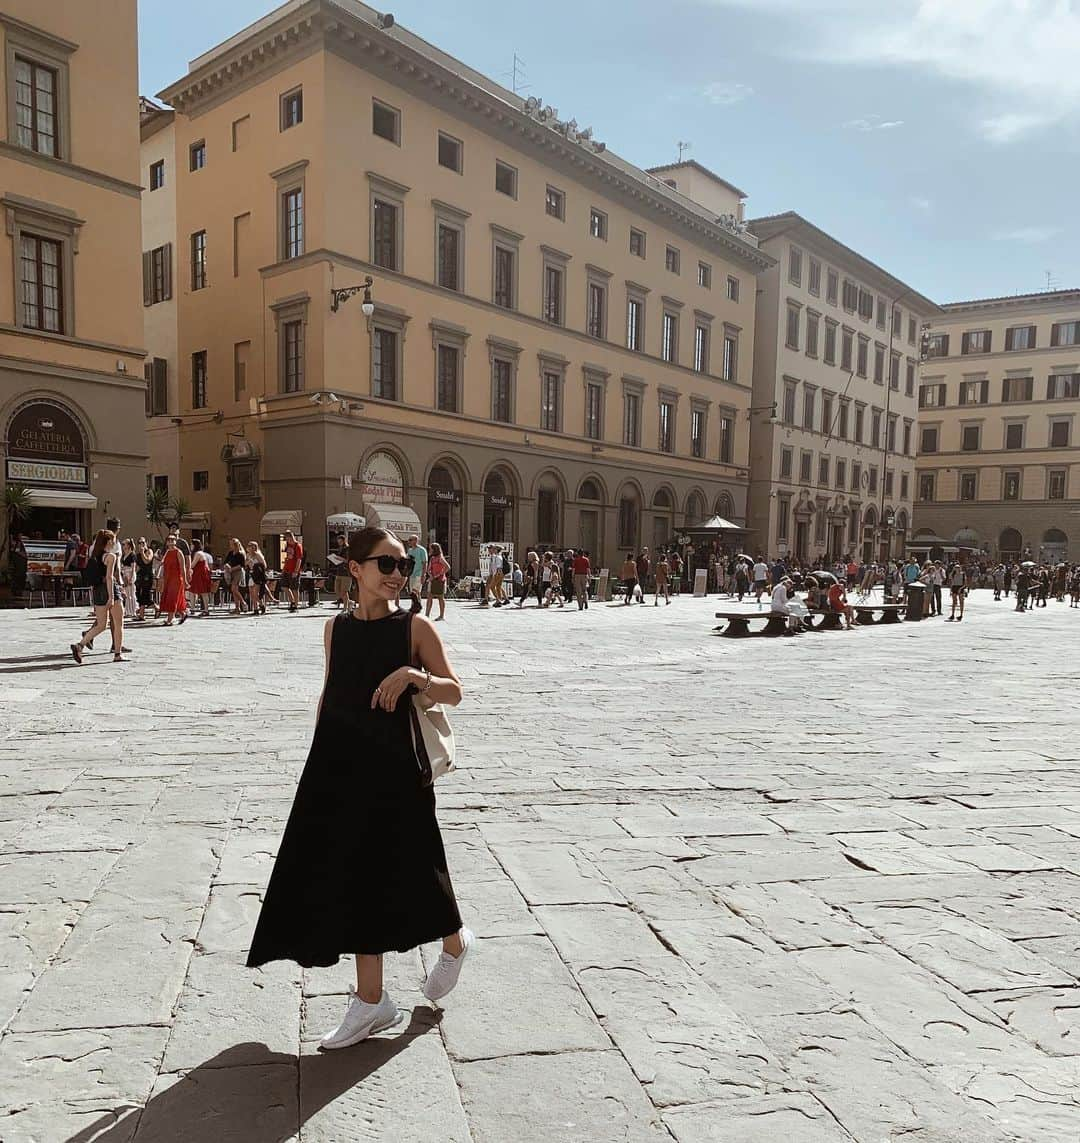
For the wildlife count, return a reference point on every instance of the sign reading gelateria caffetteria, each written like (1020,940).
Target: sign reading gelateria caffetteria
(45,445)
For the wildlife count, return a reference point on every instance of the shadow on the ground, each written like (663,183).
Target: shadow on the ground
(248,1094)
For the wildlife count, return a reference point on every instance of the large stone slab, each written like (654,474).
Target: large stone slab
(555,875)
(1048,1017)
(794,1117)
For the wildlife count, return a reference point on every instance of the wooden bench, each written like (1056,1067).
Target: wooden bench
(823,619)
(738,623)
(890,612)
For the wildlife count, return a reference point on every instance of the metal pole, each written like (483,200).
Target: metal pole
(888,402)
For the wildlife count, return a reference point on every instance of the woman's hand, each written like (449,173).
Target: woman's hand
(394,686)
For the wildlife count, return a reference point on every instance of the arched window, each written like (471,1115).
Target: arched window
(661,499)
(589,490)
(1010,542)
(629,520)
(1054,536)
(725,506)
(695,508)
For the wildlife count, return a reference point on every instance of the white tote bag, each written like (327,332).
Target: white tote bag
(433,737)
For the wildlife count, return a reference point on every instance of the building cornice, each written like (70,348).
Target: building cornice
(71,170)
(995,307)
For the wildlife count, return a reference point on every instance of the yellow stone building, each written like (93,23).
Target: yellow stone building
(559,349)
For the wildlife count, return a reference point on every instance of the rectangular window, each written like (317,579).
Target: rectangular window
(733,289)
(866,305)
(634,308)
(200,480)
(842,426)
(704,275)
(871,481)
(503,294)
(446,364)
(157,175)
(449,152)
(860,422)
(727,436)
(385,235)
(875,428)
(794,265)
(911,330)
(809,403)
(783,516)
(731,354)
(449,246)
(501,390)
(926,487)
(156,372)
(292,342)
(881,313)
(826,414)
(1062,386)
(594,410)
(937,345)
(292,109)
(632,419)
(791,339)
(894,372)
(928,440)
(864,353)
(555,203)
(811,335)
(879,364)
(637,243)
(909,379)
(506,179)
(1014,435)
(596,317)
(198,260)
(967,485)
(549,401)
(671,259)
(701,348)
(789,403)
(1020,337)
(1017,389)
(829,356)
(931,396)
(845,351)
(850,296)
(823,470)
(814,280)
(832,286)
(197,156)
(669,342)
(241,352)
(198,379)
(841,473)
(1010,486)
(806,459)
(975,341)
(890,439)
(903,486)
(907,438)
(385,121)
(36,104)
(785,463)
(1059,434)
(157,275)
(666,435)
(292,223)
(1055,487)
(553,287)
(856,475)
(598,223)
(384,364)
(970,437)
(697,432)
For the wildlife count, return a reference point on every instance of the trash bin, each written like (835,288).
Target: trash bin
(915,597)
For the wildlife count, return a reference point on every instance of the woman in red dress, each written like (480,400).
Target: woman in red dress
(202,587)
(174,580)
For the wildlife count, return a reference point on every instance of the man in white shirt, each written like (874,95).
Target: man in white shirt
(780,605)
(761,578)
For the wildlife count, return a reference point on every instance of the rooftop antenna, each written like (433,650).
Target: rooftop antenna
(683,147)
(1050,282)
(517,74)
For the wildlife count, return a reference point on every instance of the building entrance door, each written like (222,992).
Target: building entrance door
(589,531)
(836,541)
(802,538)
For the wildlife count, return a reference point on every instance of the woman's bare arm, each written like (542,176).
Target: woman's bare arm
(429,651)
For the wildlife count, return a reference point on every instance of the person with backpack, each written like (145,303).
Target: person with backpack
(100,576)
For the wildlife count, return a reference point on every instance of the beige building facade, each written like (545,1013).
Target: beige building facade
(559,350)
(72,424)
(999,444)
(832,425)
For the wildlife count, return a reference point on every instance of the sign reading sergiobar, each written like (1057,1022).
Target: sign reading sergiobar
(45,445)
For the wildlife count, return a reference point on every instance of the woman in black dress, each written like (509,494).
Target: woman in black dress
(361,867)
(144,577)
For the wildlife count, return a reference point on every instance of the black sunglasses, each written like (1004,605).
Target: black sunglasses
(388,563)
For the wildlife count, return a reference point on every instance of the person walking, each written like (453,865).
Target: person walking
(202,584)
(419,556)
(581,580)
(761,578)
(128,564)
(144,578)
(361,868)
(100,577)
(235,564)
(291,570)
(493,583)
(257,576)
(338,562)
(1074,587)
(628,574)
(174,581)
(660,571)
(957,583)
(438,572)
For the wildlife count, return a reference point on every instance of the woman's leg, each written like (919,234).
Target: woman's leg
(427,612)
(101,622)
(116,609)
(442,606)
(369,978)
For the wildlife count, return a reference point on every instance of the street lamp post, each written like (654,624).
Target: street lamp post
(338,296)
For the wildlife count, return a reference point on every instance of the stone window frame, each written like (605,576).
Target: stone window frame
(396,112)
(806,466)
(283,102)
(595,375)
(831,326)
(1019,474)
(813,320)
(907,436)
(553,259)
(830,409)
(287,180)
(843,417)
(840,472)
(673,259)
(794,260)
(702,326)
(858,425)
(555,202)
(727,412)
(793,308)
(700,405)
(500,349)
(456,336)
(965,474)
(732,333)
(58,224)
(598,277)
(632,386)
(862,356)
(641,234)
(934,427)
(809,406)
(49,51)
(967,423)
(452,218)
(637,293)
(514,172)
(548,362)
(787,453)
(665,395)
(394,320)
(1064,474)
(927,478)
(440,135)
(508,240)
(600,216)
(295,307)
(389,191)
(671,308)
(879,355)
(1059,418)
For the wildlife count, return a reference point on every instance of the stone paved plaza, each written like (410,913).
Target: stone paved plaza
(802,890)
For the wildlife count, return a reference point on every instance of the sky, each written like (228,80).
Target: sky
(939,138)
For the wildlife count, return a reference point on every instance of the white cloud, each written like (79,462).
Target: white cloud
(872,123)
(920,203)
(1020,55)
(1030,234)
(726,93)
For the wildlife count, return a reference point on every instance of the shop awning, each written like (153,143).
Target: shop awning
(282,521)
(60,498)
(396,518)
(716,524)
(345,520)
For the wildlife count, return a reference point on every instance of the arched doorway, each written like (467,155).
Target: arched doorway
(549,506)
(628,528)
(695,508)
(592,495)
(869,527)
(1054,546)
(444,515)
(498,508)
(1010,544)
(663,505)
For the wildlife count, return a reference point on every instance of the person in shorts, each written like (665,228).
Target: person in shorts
(761,578)
(291,569)
(957,591)
(419,556)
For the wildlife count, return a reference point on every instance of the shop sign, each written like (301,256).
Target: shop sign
(446,495)
(45,432)
(35,472)
(498,501)
(381,481)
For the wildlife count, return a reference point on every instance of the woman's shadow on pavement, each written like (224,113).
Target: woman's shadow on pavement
(249,1094)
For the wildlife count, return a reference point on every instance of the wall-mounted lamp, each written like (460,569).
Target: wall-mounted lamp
(346,292)
(771,409)
(217,418)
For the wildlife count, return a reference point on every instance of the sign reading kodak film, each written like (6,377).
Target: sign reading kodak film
(34,472)
(45,445)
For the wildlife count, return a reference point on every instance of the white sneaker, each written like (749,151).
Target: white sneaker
(446,970)
(362,1020)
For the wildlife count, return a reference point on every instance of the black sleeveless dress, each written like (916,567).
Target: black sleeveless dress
(361,867)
